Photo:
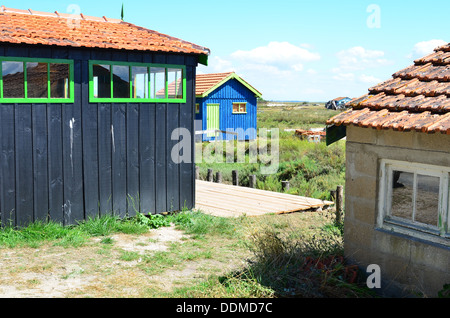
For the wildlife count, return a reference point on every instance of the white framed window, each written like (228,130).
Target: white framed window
(239,108)
(414,200)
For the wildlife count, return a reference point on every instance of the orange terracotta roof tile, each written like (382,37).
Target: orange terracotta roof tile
(33,27)
(415,98)
(205,83)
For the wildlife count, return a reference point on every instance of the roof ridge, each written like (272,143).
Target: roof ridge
(57,14)
(168,36)
(79,30)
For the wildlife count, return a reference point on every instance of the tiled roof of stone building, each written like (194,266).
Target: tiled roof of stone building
(415,98)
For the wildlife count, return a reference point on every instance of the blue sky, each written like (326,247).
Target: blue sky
(289,50)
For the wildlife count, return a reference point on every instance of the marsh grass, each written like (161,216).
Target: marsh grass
(312,169)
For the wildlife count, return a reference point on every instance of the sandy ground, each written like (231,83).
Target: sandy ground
(56,272)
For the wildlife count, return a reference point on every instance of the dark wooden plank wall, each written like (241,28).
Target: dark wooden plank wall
(70,162)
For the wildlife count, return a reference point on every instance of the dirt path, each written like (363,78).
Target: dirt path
(97,269)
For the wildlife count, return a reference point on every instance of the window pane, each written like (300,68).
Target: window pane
(175,82)
(139,81)
(242,108)
(37,80)
(59,80)
(402,194)
(102,81)
(235,108)
(427,199)
(121,81)
(158,80)
(13,80)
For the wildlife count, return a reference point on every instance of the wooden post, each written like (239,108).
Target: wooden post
(252,181)
(333,195)
(285,185)
(235,176)
(218,177)
(339,203)
(210,175)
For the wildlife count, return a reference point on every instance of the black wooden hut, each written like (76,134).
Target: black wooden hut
(83,132)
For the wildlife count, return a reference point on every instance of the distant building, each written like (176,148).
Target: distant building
(225,102)
(337,103)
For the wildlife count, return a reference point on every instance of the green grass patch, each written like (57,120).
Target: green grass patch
(38,233)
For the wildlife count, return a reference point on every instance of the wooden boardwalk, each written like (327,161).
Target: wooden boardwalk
(233,201)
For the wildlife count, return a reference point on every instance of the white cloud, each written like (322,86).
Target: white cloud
(425,48)
(344,77)
(216,65)
(359,58)
(369,79)
(282,55)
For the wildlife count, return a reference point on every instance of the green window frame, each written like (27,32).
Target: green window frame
(68,85)
(166,92)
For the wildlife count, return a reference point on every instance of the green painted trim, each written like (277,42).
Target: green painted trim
(212,118)
(203,59)
(335,133)
(231,76)
(47,100)
(93,99)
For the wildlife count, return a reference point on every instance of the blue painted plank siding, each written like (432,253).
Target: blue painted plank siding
(227,94)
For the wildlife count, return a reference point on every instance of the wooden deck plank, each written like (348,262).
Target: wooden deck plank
(233,201)
(267,200)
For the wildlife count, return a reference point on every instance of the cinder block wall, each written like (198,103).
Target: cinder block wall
(406,263)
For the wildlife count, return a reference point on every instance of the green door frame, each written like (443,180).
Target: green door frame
(212,118)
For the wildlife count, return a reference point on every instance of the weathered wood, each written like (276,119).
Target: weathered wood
(90,149)
(160,158)
(119,159)
(55,163)
(232,201)
(209,175)
(252,181)
(7,164)
(235,177)
(132,160)
(218,177)
(173,174)
(24,164)
(73,206)
(40,163)
(339,203)
(285,185)
(104,159)
(187,168)
(147,180)
(67,162)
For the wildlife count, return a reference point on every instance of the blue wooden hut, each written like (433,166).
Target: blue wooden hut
(226,107)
